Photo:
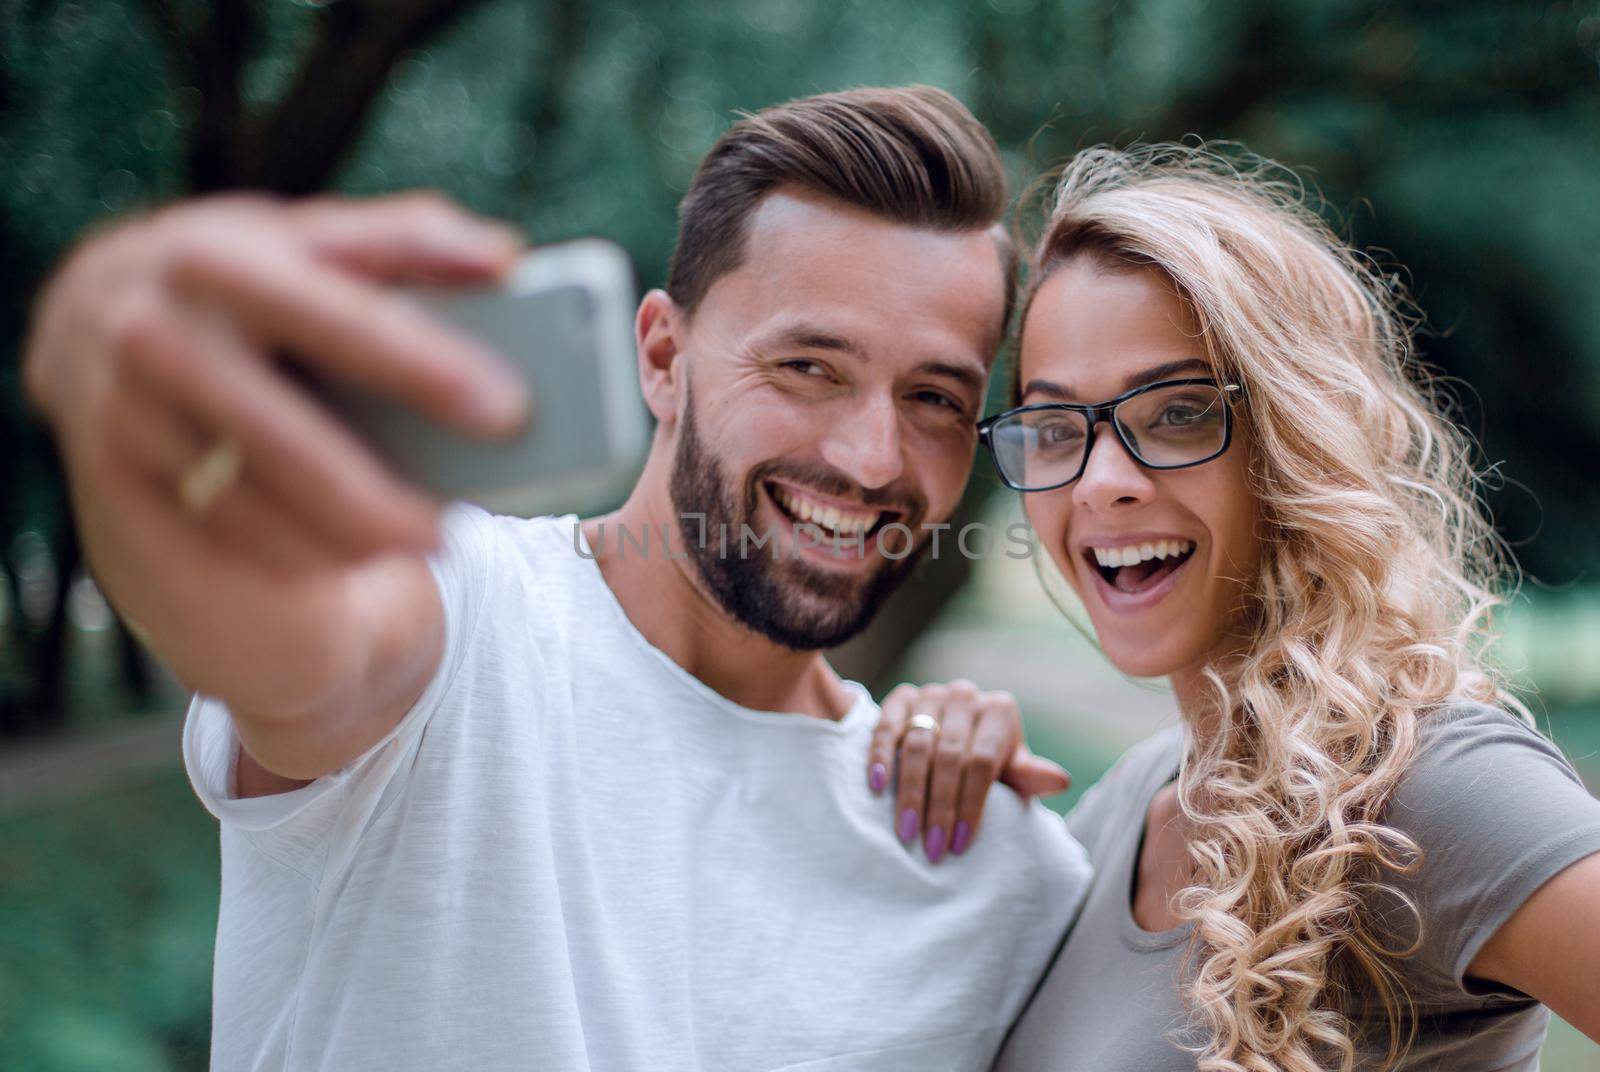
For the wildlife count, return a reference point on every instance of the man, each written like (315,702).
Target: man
(528,801)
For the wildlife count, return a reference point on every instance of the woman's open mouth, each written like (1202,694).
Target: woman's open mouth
(1139,569)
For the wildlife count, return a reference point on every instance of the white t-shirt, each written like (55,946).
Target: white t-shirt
(572,854)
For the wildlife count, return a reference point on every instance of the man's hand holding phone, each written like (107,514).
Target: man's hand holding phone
(159,344)
(161,338)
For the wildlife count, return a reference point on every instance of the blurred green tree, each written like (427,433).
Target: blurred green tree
(1462,137)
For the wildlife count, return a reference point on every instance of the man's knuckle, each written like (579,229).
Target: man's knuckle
(194,253)
(134,324)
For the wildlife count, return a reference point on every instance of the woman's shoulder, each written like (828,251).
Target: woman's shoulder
(1458,720)
(1482,774)
(1494,809)
(1467,745)
(1119,798)
(1152,755)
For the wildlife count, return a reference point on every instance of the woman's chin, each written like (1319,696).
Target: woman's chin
(1140,658)
(1141,665)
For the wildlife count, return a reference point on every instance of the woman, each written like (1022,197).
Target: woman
(1355,851)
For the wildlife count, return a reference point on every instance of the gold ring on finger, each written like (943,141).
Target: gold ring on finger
(209,477)
(923,721)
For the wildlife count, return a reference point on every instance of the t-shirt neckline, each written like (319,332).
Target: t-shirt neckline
(589,574)
(1133,934)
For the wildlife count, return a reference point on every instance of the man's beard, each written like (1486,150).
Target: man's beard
(778,595)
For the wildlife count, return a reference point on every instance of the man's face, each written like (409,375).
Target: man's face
(836,377)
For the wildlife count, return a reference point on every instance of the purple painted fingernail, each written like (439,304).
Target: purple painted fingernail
(934,844)
(908,825)
(877,777)
(963,838)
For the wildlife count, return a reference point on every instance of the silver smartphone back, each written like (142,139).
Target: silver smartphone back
(564,320)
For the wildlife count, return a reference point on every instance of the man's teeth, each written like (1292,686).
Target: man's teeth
(1134,554)
(835,520)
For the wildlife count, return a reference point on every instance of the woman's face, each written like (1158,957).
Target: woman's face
(1090,335)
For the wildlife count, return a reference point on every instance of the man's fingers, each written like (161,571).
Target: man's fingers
(419,237)
(251,524)
(146,434)
(302,456)
(342,327)
(157,441)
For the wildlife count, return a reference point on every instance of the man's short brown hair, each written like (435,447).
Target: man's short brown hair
(912,154)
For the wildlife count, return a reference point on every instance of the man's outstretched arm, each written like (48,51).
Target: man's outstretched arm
(300,597)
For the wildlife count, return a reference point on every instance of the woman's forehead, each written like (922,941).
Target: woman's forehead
(1091,331)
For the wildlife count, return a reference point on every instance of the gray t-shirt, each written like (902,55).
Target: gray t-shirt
(1495,808)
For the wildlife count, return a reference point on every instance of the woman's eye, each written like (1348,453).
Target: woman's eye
(1181,416)
(1056,434)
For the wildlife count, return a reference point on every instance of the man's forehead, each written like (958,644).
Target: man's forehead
(812,263)
(793,215)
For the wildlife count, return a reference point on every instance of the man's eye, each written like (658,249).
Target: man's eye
(805,368)
(934,398)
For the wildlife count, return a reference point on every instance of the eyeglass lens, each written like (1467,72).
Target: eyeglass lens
(1166,427)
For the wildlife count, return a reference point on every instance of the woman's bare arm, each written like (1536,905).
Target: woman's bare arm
(1550,947)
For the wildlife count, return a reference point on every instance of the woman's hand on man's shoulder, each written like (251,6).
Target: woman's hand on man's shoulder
(940,747)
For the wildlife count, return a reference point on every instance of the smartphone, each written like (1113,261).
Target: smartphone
(564,321)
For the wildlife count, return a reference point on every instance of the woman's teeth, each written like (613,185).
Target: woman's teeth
(1134,554)
(838,521)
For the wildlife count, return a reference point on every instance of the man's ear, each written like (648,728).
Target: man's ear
(658,330)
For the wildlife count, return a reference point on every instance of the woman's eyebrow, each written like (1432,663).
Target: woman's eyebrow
(1054,390)
(1046,387)
(1161,372)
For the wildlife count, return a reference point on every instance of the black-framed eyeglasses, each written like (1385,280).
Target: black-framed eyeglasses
(1172,424)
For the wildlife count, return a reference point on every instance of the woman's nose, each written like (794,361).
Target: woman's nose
(1111,477)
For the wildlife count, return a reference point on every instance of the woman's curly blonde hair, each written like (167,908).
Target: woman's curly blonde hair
(1371,605)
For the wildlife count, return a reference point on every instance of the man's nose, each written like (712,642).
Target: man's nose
(865,445)
(1111,476)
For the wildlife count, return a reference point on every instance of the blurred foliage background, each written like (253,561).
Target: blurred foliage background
(1462,139)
